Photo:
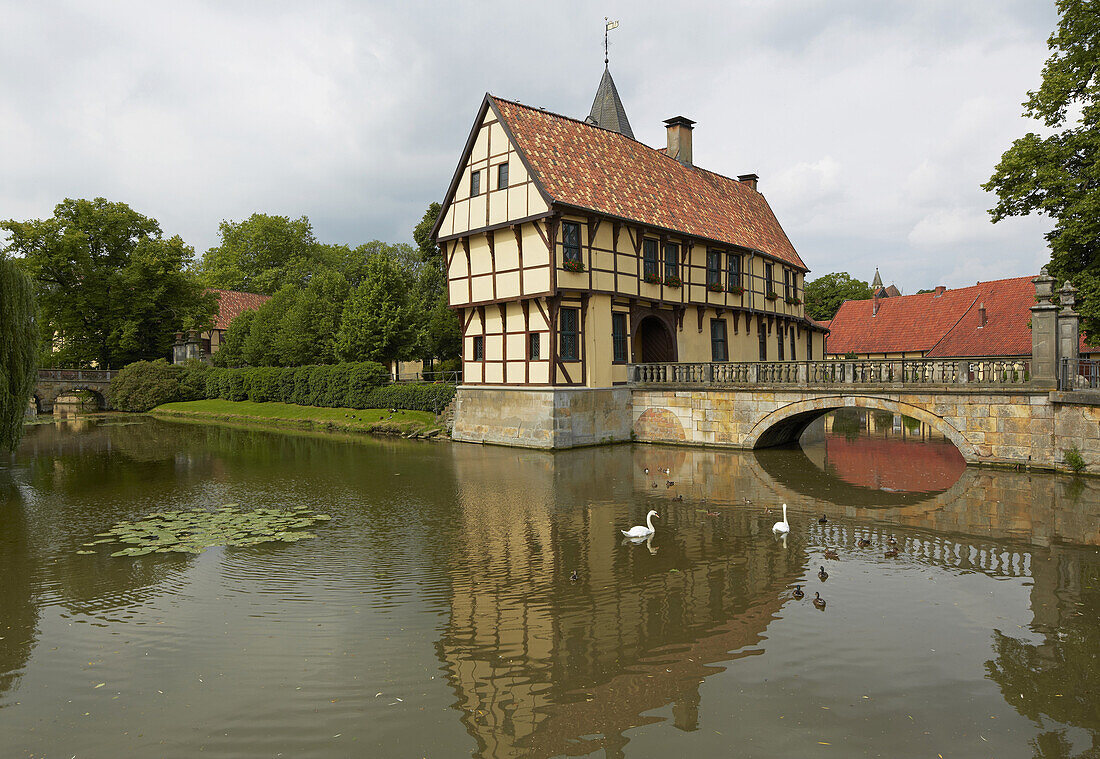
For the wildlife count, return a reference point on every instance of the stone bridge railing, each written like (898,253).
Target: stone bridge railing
(76,375)
(984,372)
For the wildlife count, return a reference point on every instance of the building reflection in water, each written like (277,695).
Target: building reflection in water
(543,666)
(883,451)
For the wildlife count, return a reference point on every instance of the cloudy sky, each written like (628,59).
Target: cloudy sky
(871,123)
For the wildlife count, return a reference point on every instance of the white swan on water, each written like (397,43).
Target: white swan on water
(782,527)
(640,532)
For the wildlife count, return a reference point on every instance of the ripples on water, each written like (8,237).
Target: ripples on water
(435,615)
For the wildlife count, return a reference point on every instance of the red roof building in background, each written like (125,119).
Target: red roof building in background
(201,345)
(232,303)
(986,319)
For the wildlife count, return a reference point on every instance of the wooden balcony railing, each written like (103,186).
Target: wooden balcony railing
(909,372)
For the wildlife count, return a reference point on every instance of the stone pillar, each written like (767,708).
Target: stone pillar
(1044,344)
(1069,334)
(179,350)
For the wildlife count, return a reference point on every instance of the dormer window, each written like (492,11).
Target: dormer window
(502,176)
(475,183)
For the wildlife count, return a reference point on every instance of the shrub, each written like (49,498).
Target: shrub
(233,386)
(432,397)
(318,383)
(1074,460)
(300,395)
(193,379)
(265,384)
(363,377)
(143,385)
(214,382)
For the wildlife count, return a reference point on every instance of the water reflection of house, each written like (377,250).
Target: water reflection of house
(544,666)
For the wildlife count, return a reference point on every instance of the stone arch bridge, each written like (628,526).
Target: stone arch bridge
(54,383)
(988,408)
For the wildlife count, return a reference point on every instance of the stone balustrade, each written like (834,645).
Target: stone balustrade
(984,372)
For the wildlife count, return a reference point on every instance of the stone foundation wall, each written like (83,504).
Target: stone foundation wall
(542,417)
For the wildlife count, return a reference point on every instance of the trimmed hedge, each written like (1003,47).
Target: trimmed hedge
(349,385)
(433,398)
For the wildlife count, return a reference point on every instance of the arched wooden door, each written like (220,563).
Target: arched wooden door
(657,343)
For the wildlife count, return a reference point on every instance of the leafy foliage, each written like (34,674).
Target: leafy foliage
(378,321)
(1059,175)
(111,290)
(143,385)
(825,294)
(18,351)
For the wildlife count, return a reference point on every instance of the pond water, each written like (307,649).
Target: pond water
(435,614)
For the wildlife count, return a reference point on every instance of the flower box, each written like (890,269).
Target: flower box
(794,302)
(772,296)
(673,281)
(715,288)
(574,266)
(735,290)
(651,279)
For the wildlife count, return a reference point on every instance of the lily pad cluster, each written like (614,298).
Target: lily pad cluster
(193,532)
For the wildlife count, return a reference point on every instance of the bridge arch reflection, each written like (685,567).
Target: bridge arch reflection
(786,424)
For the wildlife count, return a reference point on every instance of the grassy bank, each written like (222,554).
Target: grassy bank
(373,421)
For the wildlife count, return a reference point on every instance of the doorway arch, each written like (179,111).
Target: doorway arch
(656,343)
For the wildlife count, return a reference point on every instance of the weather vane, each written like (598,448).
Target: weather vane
(607,27)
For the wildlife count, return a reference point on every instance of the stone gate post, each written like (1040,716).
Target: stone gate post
(1069,333)
(1044,343)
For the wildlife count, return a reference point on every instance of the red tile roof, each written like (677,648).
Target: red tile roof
(232,304)
(910,323)
(582,165)
(1006,332)
(942,325)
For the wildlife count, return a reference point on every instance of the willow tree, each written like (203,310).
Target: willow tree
(18,351)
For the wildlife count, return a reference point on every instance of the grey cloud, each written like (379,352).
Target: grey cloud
(866,119)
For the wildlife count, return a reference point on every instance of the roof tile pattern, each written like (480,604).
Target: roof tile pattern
(581,165)
(232,304)
(940,326)
(1006,332)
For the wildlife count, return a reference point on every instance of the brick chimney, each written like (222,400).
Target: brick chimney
(749,179)
(981,314)
(874,306)
(939,291)
(679,138)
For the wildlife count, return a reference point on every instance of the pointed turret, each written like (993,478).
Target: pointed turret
(876,284)
(607,109)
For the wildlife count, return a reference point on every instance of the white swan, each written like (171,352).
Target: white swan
(640,532)
(782,527)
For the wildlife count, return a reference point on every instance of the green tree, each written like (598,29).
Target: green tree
(263,253)
(1059,175)
(440,334)
(231,352)
(296,327)
(422,235)
(379,322)
(111,290)
(825,294)
(18,351)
